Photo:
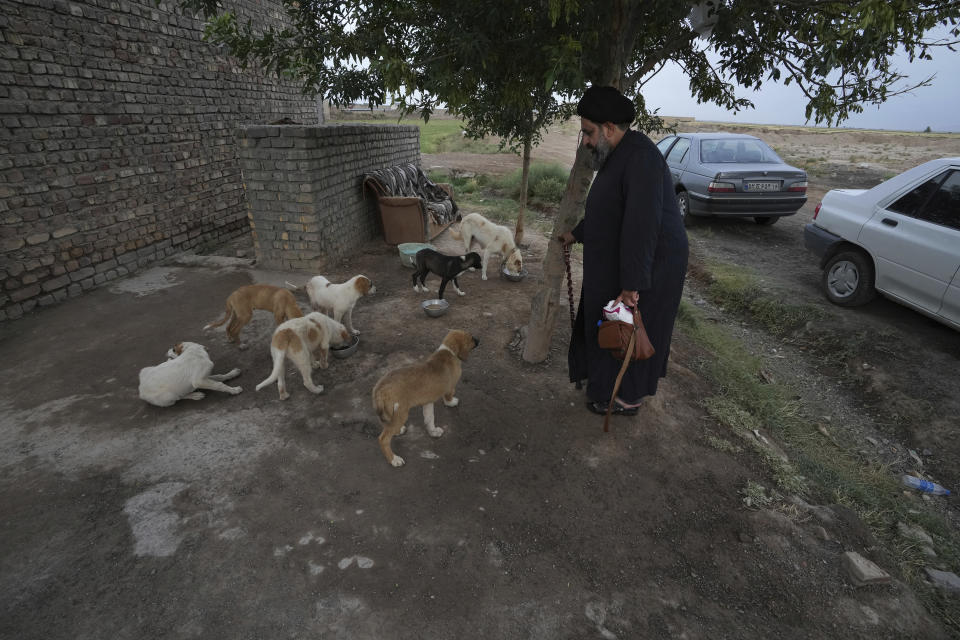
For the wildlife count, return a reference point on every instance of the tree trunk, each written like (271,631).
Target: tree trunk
(524,187)
(547,301)
(608,65)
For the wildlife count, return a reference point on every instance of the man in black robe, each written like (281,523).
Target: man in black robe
(634,251)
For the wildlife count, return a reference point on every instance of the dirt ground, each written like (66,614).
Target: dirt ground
(247,517)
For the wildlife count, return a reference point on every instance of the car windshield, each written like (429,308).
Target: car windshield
(733,150)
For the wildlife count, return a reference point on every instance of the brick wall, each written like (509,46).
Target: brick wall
(118,140)
(304,187)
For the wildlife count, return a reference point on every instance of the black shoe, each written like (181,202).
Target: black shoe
(600,408)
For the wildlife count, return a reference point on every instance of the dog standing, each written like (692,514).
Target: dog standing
(447,267)
(420,384)
(187,369)
(242,302)
(299,339)
(339,299)
(493,239)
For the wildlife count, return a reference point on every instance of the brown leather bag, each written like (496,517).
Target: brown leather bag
(621,338)
(614,335)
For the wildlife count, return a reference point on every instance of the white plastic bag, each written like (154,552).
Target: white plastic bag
(618,311)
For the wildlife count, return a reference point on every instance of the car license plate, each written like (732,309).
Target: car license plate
(761,186)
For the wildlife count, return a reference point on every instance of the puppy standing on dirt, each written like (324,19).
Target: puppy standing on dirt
(339,299)
(493,239)
(420,384)
(299,339)
(242,302)
(447,267)
(188,369)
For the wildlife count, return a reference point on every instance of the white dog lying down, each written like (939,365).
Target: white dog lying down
(338,300)
(299,338)
(493,238)
(188,369)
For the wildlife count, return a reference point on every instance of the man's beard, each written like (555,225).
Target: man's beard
(600,153)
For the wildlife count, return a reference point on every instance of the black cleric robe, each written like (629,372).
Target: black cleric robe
(633,238)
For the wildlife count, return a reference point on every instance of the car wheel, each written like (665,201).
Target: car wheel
(848,279)
(765,220)
(683,203)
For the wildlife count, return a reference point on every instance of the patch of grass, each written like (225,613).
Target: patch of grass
(755,495)
(461,184)
(722,444)
(495,198)
(816,467)
(737,288)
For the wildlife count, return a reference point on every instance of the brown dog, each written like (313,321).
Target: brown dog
(242,302)
(420,384)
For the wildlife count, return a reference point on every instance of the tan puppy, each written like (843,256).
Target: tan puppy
(420,384)
(187,369)
(299,339)
(242,302)
(493,239)
(338,300)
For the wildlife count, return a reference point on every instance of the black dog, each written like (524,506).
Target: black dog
(447,267)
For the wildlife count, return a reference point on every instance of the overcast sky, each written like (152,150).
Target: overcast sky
(936,106)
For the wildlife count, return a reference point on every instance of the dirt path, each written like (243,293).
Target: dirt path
(244,516)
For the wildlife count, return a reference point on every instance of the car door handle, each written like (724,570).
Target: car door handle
(890,222)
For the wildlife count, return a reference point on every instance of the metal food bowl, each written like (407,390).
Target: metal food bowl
(347,351)
(513,277)
(435,308)
(408,252)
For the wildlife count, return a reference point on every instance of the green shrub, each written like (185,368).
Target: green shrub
(548,189)
(546,182)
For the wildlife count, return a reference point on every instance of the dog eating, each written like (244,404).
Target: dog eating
(300,339)
(420,385)
(493,239)
(449,268)
(338,300)
(242,303)
(187,369)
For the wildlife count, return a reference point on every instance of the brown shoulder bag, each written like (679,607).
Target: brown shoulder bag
(621,338)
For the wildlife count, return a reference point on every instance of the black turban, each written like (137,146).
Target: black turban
(606,104)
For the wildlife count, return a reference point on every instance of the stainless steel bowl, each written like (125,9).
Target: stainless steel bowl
(435,308)
(513,277)
(346,351)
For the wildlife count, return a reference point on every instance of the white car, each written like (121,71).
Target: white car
(901,238)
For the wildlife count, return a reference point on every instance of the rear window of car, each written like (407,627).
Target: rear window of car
(736,151)
(937,200)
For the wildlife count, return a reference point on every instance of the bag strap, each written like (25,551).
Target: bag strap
(616,385)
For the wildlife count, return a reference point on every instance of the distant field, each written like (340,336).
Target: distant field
(826,153)
(439,135)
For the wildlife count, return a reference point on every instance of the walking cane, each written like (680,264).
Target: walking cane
(616,385)
(573,314)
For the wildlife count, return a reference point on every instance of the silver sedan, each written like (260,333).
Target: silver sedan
(731,174)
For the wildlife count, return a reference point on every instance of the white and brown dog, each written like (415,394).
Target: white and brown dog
(338,300)
(493,239)
(299,339)
(188,368)
(242,302)
(420,384)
